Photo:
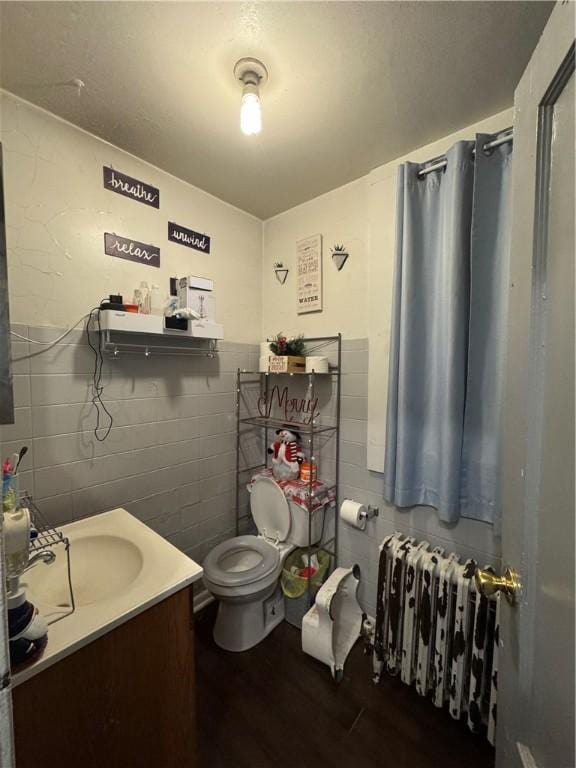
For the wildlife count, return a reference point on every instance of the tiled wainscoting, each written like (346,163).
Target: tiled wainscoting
(468,537)
(170,456)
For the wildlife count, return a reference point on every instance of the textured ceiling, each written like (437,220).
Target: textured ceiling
(351,85)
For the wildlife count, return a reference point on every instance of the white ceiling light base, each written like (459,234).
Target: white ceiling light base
(250,71)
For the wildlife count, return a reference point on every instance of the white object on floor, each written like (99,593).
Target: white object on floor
(243,572)
(334,623)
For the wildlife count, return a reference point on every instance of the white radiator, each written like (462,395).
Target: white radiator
(436,631)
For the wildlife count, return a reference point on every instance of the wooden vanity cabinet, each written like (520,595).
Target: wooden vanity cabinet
(125,700)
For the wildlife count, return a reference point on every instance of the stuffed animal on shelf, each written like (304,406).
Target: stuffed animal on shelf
(287,454)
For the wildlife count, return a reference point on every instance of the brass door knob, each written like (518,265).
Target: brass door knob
(488,583)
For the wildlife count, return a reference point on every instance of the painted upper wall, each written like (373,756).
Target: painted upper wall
(341,217)
(57,211)
(360,215)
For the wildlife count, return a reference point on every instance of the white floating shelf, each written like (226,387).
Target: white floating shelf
(155,325)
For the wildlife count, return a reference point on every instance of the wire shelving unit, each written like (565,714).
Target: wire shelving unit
(312,432)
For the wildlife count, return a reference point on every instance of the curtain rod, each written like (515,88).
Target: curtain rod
(438,163)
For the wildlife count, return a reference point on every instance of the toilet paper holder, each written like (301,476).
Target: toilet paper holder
(371,511)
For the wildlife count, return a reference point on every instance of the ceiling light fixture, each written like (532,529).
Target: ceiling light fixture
(252,74)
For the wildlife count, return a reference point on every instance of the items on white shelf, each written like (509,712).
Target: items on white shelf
(171,307)
(316,364)
(156,306)
(197,293)
(137,299)
(187,312)
(334,623)
(145,300)
(355,514)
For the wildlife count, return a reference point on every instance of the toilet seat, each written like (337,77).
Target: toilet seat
(242,560)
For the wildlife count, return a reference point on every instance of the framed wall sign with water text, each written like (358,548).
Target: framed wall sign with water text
(309,274)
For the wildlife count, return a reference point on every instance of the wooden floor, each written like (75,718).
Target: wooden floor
(275,706)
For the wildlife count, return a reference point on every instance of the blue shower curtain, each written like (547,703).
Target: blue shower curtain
(447,343)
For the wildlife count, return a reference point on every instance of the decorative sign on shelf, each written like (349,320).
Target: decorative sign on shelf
(293,409)
(133,250)
(309,274)
(129,187)
(187,237)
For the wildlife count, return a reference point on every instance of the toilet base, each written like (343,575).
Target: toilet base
(242,625)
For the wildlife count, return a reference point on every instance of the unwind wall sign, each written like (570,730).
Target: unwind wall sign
(133,250)
(129,187)
(187,237)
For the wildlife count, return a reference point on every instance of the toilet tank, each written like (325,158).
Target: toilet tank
(299,525)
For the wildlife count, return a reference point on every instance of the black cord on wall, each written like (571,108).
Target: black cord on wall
(97,386)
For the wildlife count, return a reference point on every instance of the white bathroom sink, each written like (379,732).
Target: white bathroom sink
(102,566)
(119,567)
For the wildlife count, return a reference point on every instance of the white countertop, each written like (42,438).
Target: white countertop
(119,567)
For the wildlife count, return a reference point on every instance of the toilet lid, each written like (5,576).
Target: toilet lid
(270,509)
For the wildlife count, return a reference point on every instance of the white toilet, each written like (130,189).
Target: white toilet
(243,573)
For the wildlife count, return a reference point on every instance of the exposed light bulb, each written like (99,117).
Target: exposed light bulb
(250,111)
(253,75)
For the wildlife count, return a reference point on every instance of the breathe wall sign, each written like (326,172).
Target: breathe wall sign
(133,250)
(187,237)
(129,187)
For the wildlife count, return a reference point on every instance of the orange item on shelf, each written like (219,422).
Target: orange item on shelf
(307,470)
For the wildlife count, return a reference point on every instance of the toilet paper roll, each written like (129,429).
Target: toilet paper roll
(353,513)
(317,364)
(265,349)
(263,364)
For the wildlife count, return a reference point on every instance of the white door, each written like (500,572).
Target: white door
(535,726)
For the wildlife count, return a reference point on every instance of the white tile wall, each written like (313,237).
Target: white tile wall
(170,456)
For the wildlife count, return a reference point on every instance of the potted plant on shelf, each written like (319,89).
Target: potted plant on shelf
(288,355)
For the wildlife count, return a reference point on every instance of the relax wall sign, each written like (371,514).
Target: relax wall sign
(129,187)
(179,234)
(133,250)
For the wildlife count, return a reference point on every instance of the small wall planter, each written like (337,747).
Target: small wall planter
(281,272)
